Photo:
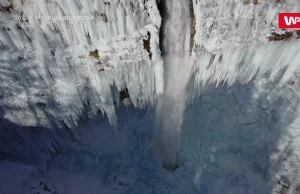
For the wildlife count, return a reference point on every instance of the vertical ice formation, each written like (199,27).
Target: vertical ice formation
(59,72)
(51,68)
(63,71)
(237,40)
(171,105)
(232,41)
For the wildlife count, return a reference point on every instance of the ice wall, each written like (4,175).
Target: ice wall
(57,73)
(237,40)
(59,68)
(232,41)
(62,72)
(51,68)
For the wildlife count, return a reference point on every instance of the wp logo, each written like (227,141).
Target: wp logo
(288,20)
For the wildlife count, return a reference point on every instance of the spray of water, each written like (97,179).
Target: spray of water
(170,107)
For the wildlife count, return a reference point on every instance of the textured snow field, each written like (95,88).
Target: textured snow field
(241,139)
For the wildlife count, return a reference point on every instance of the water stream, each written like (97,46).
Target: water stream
(175,46)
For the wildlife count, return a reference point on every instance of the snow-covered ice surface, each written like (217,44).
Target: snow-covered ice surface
(13,175)
(234,140)
(240,139)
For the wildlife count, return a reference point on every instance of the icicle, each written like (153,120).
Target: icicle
(54,57)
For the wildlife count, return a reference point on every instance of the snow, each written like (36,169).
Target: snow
(230,46)
(231,43)
(219,150)
(13,175)
(51,57)
(236,134)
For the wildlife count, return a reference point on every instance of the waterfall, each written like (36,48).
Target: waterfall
(175,46)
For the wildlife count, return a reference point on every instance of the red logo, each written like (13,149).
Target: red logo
(288,20)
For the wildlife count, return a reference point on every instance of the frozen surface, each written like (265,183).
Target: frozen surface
(241,139)
(13,175)
(56,77)
(54,70)
(48,72)
(232,41)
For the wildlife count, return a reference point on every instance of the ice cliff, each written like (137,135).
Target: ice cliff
(58,69)
(237,40)
(58,73)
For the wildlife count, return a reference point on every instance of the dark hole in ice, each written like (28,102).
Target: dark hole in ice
(124,94)
(170,167)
